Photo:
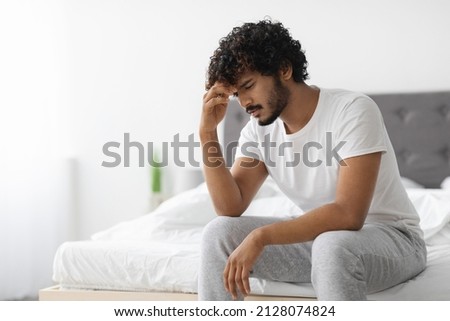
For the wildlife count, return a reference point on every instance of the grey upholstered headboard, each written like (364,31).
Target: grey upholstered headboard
(418,125)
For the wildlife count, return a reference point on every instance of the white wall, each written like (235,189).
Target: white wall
(86,72)
(35,210)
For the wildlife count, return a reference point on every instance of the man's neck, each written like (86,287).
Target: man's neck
(301,107)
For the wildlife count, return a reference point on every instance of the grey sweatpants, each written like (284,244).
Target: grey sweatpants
(341,265)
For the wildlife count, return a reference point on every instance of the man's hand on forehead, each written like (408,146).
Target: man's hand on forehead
(222,89)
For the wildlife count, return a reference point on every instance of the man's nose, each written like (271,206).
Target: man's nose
(245,101)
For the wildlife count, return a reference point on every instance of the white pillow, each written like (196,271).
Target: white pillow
(446,183)
(433,207)
(409,183)
(188,212)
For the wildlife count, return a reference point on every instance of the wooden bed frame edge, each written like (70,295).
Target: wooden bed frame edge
(55,293)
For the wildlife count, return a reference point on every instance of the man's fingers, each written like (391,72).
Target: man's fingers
(219,101)
(236,279)
(225,277)
(232,283)
(228,280)
(216,91)
(216,98)
(216,102)
(245,281)
(241,279)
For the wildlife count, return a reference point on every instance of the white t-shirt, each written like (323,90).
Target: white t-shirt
(305,164)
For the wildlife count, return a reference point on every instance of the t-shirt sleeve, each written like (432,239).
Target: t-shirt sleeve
(360,127)
(248,143)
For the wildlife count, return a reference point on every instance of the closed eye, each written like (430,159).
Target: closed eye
(248,86)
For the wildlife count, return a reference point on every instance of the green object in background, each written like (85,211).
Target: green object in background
(156,176)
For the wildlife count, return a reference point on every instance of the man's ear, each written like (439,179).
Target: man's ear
(285,72)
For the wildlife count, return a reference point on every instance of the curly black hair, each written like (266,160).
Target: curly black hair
(265,47)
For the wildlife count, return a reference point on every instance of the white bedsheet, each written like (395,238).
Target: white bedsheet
(160,251)
(127,266)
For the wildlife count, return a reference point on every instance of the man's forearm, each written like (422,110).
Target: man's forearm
(224,191)
(330,217)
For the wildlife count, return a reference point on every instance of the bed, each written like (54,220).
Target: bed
(156,256)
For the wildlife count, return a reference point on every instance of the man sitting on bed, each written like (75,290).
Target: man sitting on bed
(328,151)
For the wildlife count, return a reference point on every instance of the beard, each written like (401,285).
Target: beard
(279,98)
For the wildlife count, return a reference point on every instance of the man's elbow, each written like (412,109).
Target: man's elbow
(353,218)
(355,224)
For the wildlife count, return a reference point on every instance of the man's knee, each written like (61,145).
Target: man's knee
(219,226)
(337,271)
(334,252)
(220,234)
